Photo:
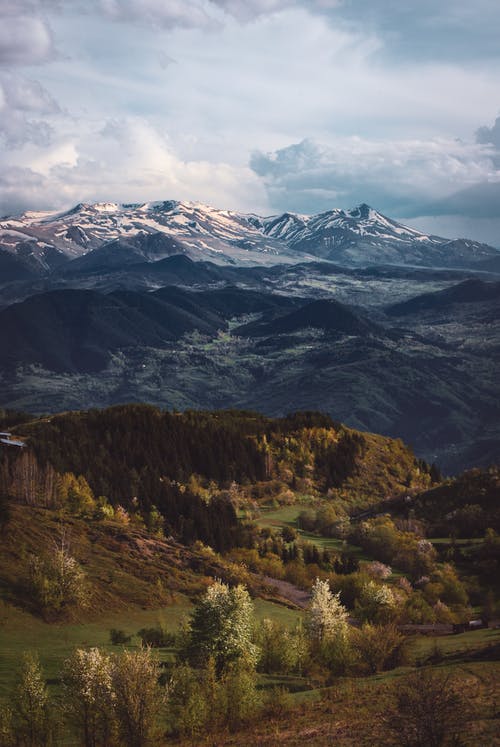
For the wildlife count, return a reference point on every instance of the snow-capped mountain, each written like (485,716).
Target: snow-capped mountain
(363,235)
(199,231)
(107,233)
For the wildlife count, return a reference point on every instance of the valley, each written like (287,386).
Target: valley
(153,514)
(235,469)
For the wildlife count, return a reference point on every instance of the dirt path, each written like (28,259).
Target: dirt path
(289,591)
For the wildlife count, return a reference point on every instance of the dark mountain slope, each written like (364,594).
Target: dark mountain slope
(232,301)
(172,308)
(179,269)
(188,302)
(12,268)
(126,251)
(470,291)
(328,315)
(76,330)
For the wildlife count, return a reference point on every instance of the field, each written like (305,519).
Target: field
(21,632)
(287,516)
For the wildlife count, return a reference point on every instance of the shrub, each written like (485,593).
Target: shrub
(119,637)
(156,637)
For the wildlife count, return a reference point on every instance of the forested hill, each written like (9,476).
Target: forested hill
(134,451)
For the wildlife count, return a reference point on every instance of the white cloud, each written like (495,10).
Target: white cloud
(187,13)
(22,104)
(24,41)
(126,161)
(201,13)
(397,176)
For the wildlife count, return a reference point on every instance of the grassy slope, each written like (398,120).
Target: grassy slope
(350,714)
(127,567)
(124,567)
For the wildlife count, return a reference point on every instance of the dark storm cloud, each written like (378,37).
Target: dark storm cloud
(477,201)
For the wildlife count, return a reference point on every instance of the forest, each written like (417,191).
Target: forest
(236,568)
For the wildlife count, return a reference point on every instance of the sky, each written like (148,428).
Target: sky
(255,105)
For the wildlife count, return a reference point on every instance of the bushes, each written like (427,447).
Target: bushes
(378,647)
(119,637)
(156,637)
(428,709)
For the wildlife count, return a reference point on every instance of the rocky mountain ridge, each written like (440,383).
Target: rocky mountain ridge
(46,241)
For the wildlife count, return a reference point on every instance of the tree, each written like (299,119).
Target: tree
(429,709)
(57,581)
(30,714)
(326,616)
(376,603)
(188,708)
(378,646)
(328,628)
(221,627)
(281,649)
(89,696)
(239,693)
(138,696)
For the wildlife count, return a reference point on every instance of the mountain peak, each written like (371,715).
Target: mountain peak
(363,211)
(358,236)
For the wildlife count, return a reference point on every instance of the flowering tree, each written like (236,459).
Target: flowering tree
(138,696)
(57,582)
(326,617)
(221,627)
(328,628)
(31,717)
(89,695)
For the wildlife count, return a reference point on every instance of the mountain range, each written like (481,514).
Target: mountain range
(184,306)
(106,235)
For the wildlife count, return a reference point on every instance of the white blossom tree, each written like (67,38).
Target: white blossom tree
(327,618)
(377,602)
(89,695)
(30,714)
(328,628)
(221,627)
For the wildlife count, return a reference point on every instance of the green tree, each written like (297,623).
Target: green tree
(188,702)
(139,699)
(378,646)
(241,699)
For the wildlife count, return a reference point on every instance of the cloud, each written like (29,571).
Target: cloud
(24,41)
(202,13)
(187,13)
(396,176)
(125,160)
(480,200)
(490,134)
(451,29)
(22,104)
(25,35)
